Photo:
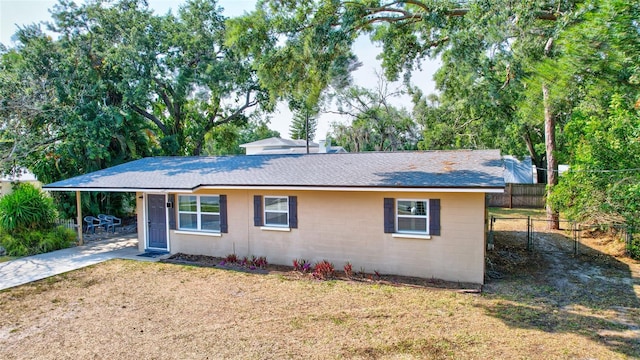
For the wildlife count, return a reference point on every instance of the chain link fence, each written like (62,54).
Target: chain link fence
(534,235)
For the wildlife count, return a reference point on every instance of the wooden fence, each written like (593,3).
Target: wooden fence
(519,196)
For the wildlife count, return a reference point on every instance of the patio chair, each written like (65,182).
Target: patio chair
(105,222)
(109,222)
(92,223)
(113,222)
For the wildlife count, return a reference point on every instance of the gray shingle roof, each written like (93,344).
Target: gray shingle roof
(428,169)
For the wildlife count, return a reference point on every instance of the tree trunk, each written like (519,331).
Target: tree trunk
(197,150)
(553,217)
(534,156)
(306,128)
(531,148)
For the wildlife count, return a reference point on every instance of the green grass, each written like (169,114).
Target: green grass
(540,214)
(518,213)
(6,258)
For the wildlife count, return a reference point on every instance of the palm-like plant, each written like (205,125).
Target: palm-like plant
(26,208)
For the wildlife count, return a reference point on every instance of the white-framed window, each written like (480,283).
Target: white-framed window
(276,211)
(412,216)
(199,212)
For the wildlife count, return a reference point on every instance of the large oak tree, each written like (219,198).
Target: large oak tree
(300,46)
(111,81)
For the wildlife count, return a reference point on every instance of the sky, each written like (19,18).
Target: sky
(15,13)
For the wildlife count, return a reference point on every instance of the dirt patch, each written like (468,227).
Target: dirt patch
(557,288)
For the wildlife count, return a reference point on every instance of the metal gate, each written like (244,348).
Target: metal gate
(537,238)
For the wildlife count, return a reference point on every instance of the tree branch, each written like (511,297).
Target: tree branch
(386,8)
(341,113)
(32,148)
(248,103)
(396,7)
(212,123)
(151,117)
(393,19)
(172,106)
(165,98)
(419,4)
(390,7)
(547,47)
(546,15)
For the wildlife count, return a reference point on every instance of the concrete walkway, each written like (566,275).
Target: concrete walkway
(32,268)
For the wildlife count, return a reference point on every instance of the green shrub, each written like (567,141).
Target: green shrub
(26,223)
(13,246)
(31,242)
(633,249)
(26,208)
(57,238)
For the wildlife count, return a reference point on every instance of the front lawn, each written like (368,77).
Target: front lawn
(128,310)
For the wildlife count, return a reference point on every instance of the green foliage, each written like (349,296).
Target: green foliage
(304,124)
(376,125)
(122,82)
(115,83)
(603,184)
(484,48)
(118,204)
(226,139)
(26,223)
(633,249)
(171,71)
(602,135)
(119,83)
(298,48)
(64,118)
(496,58)
(31,242)
(26,208)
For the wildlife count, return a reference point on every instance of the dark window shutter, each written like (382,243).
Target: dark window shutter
(224,227)
(389,221)
(171,198)
(257,210)
(434,217)
(293,212)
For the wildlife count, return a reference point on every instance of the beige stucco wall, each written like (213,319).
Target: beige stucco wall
(348,226)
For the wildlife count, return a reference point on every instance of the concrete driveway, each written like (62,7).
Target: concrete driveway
(32,268)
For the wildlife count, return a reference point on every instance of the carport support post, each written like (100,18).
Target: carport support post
(79,207)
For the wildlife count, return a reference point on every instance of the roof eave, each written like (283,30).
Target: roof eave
(111,189)
(443,189)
